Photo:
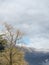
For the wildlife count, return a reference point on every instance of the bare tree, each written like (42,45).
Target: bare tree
(13,37)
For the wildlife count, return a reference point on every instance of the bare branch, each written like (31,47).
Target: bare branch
(19,36)
(6,57)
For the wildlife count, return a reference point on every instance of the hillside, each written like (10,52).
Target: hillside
(36,57)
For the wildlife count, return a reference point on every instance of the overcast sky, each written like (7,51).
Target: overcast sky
(31,16)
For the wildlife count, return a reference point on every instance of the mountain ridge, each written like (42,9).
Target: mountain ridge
(35,56)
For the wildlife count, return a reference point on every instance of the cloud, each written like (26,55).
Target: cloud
(31,16)
(39,43)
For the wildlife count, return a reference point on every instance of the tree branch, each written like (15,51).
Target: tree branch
(5,57)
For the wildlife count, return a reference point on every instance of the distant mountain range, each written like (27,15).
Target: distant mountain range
(36,57)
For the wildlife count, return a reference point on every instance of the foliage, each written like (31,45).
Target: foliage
(11,55)
(17,57)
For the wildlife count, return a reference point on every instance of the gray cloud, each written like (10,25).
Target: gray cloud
(32,16)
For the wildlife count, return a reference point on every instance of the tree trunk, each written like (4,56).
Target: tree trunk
(11,58)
